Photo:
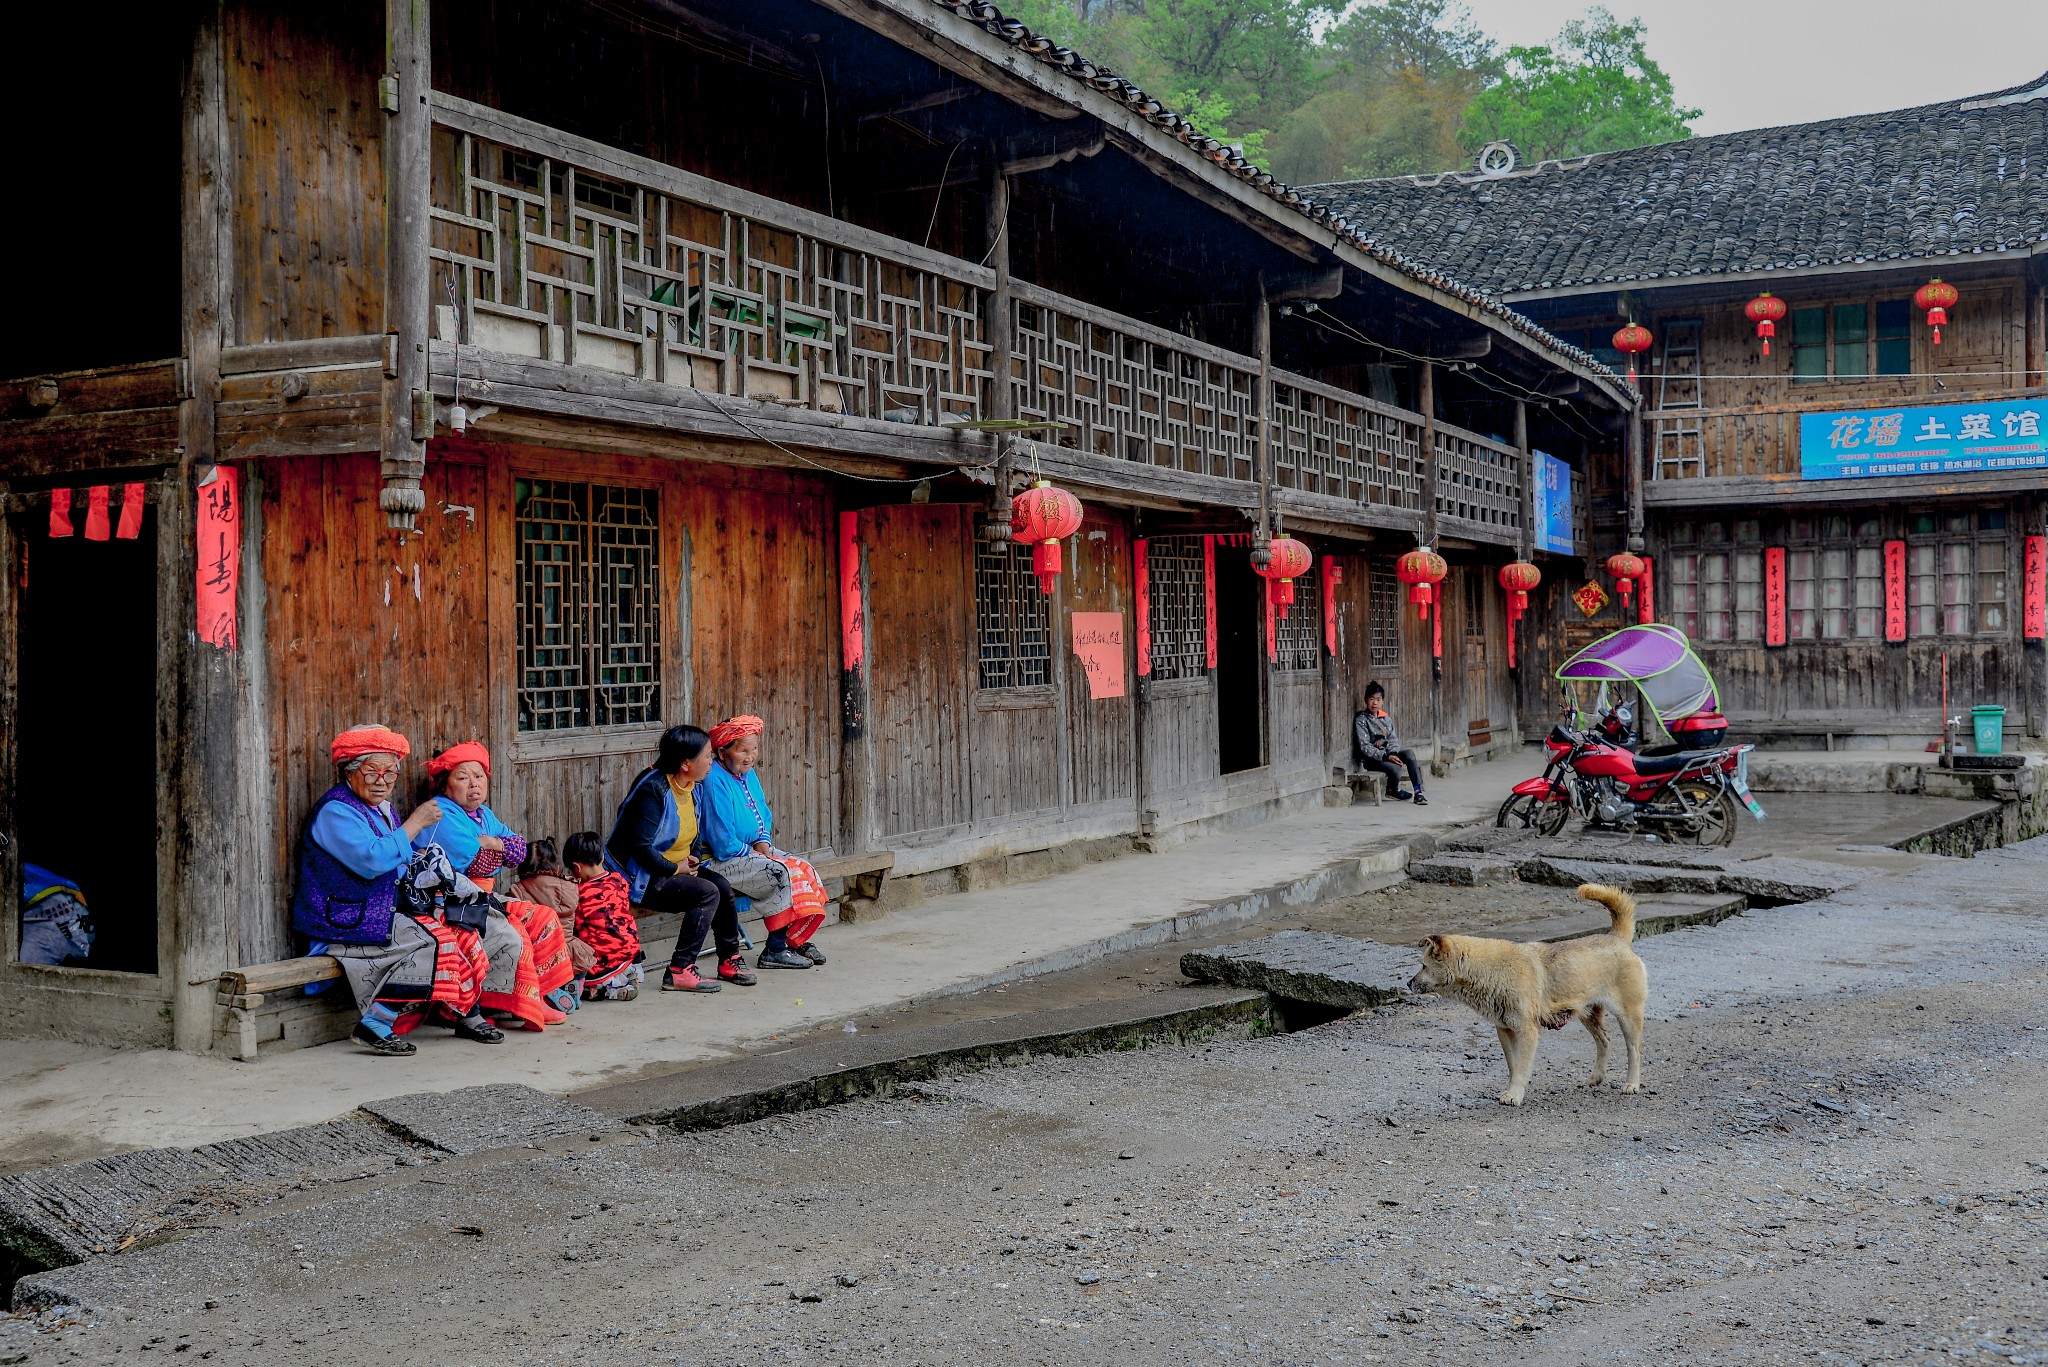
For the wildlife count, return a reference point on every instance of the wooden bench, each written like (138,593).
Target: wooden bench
(1370,781)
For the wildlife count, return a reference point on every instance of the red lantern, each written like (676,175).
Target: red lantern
(1627,569)
(1937,296)
(1518,578)
(1290,560)
(1630,340)
(1765,310)
(1421,570)
(1043,516)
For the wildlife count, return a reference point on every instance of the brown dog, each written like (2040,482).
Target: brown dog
(1519,987)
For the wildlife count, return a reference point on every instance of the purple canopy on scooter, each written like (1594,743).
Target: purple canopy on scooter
(1658,660)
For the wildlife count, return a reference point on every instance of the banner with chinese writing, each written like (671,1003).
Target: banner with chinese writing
(1945,439)
(1553,505)
(219,542)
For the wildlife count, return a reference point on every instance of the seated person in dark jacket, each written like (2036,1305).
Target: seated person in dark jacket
(1372,736)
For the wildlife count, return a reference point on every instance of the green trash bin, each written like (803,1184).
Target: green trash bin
(1989,724)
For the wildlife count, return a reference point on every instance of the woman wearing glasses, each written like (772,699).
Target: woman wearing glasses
(399,965)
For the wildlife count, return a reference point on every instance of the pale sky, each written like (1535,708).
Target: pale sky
(1755,63)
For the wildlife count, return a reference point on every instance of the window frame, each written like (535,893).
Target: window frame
(1939,542)
(1023,674)
(1298,636)
(1878,340)
(1382,613)
(1177,607)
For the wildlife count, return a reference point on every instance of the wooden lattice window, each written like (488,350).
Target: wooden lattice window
(1179,609)
(1474,580)
(1298,636)
(1016,637)
(1383,614)
(589,605)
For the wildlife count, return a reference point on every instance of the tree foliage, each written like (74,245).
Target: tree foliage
(1320,91)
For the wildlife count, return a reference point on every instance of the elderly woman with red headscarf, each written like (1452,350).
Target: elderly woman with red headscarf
(401,961)
(739,830)
(531,985)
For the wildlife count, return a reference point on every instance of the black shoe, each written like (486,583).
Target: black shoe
(781,958)
(1420,800)
(389,1045)
(1399,797)
(813,953)
(480,1030)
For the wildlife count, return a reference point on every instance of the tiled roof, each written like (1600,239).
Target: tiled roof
(1231,162)
(1940,181)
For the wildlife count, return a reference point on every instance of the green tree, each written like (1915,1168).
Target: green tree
(1597,90)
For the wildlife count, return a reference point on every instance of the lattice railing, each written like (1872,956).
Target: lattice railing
(569,251)
(1345,445)
(1478,480)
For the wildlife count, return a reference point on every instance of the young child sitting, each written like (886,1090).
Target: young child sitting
(541,880)
(604,921)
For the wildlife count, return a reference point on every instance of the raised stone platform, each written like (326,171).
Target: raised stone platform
(1309,966)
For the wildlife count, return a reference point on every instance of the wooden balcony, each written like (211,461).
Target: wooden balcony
(553,250)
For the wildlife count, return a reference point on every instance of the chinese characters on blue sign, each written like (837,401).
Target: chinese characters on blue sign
(1950,439)
(1553,505)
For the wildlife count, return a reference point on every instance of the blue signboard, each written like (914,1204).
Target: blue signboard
(1553,505)
(1943,439)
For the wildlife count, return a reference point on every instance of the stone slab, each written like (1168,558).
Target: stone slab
(1309,966)
(1637,878)
(499,1116)
(1462,870)
(65,1214)
(1485,839)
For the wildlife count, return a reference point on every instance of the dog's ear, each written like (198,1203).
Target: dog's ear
(1435,946)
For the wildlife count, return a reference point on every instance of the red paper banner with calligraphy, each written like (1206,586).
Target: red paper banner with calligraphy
(853,631)
(1141,589)
(1895,591)
(219,542)
(1099,642)
(1333,575)
(1774,596)
(1646,587)
(2034,612)
(1209,597)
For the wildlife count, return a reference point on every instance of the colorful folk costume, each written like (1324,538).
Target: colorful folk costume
(734,817)
(605,922)
(519,984)
(399,954)
(56,928)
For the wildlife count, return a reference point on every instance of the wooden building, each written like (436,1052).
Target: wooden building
(551,373)
(1830,521)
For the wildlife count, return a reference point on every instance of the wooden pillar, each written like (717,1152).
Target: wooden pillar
(1528,480)
(857,768)
(2037,323)
(408,184)
(2034,653)
(1262,405)
(1632,478)
(1425,403)
(201,872)
(996,241)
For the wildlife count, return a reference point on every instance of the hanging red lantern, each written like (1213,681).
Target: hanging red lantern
(1289,561)
(1518,578)
(1765,310)
(1042,517)
(1627,569)
(1937,296)
(1630,340)
(1421,570)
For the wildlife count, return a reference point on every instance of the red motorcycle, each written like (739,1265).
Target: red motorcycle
(1687,797)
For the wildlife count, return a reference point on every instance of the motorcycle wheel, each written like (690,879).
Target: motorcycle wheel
(1716,809)
(1524,812)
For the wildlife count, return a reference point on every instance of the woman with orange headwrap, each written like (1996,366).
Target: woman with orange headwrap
(739,829)
(531,983)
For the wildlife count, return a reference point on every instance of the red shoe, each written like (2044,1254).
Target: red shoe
(734,970)
(686,979)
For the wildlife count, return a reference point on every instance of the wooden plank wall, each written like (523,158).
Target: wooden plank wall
(1102,734)
(920,634)
(1180,741)
(307,188)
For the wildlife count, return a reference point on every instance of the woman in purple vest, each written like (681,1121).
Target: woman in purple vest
(399,965)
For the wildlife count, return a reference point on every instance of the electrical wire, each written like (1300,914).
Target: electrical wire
(939,196)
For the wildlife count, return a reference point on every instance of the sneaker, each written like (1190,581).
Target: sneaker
(686,979)
(781,958)
(734,970)
(1420,800)
(390,1046)
(813,953)
(623,994)
(1400,797)
(563,1000)
(480,1030)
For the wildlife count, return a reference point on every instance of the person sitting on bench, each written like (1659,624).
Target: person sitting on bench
(1372,735)
(604,921)
(738,828)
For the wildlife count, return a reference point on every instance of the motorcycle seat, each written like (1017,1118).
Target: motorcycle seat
(1665,764)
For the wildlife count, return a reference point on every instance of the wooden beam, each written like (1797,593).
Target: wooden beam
(1632,479)
(151,384)
(994,65)
(122,438)
(1736,490)
(408,188)
(302,355)
(931,101)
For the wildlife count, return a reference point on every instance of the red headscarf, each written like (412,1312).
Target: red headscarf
(460,754)
(368,740)
(735,729)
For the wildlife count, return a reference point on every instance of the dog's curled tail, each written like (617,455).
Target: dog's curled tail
(1620,905)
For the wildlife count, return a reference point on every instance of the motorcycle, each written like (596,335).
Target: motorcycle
(1686,792)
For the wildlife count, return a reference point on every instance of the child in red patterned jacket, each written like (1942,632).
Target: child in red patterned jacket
(604,921)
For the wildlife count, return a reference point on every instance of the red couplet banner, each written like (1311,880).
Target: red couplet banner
(219,542)
(1209,597)
(853,629)
(1646,587)
(2034,612)
(1333,575)
(1141,589)
(1895,591)
(1774,596)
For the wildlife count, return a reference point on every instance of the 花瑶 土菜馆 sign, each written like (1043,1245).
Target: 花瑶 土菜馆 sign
(1945,439)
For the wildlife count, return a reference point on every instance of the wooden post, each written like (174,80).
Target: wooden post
(2034,653)
(1262,405)
(1632,478)
(857,769)
(1425,402)
(408,185)
(1528,480)
(996,241)
(200,862)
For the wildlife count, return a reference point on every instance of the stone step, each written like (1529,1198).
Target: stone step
(1309,966)
(1462,870)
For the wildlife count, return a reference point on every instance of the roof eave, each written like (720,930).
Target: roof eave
(1639,285)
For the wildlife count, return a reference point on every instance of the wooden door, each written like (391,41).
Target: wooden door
(920,599)
(1101,739)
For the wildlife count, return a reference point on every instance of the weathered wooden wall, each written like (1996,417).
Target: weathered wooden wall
(306,192)
(1101,734)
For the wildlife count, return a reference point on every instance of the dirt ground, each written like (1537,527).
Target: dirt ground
(1837,1159)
